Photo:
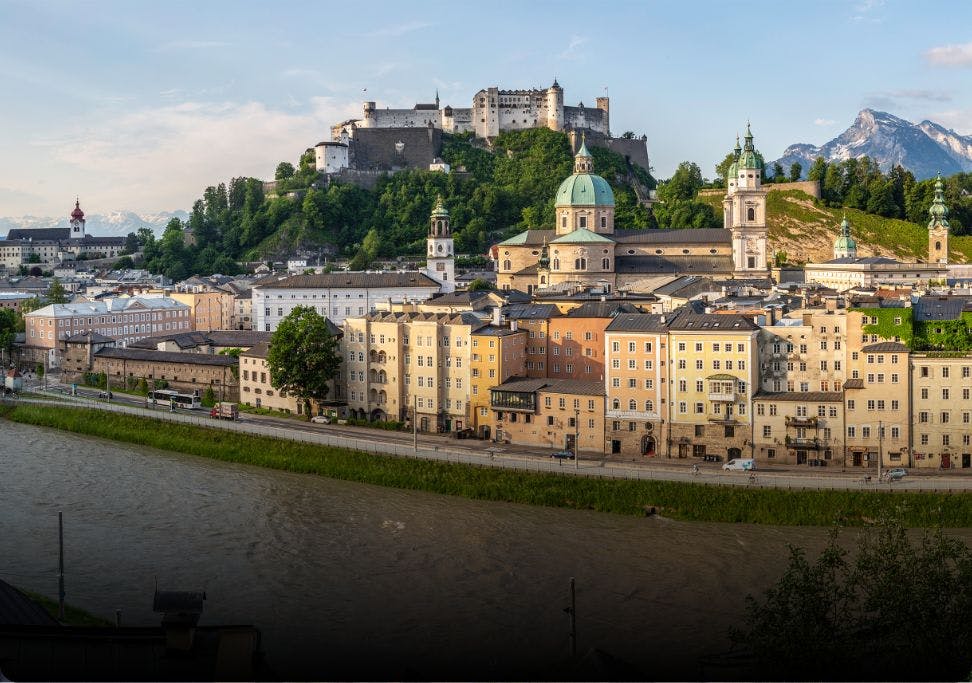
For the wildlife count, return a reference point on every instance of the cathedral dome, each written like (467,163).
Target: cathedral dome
(585,189)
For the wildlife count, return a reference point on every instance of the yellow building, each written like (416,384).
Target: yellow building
(877,405)
(497,354)
(714,376)
(636,385)
(556,414)
(799,428)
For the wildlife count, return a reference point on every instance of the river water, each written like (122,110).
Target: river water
(356,581)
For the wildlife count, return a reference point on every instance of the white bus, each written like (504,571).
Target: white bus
(167,396)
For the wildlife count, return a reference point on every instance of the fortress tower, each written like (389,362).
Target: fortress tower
(555,106)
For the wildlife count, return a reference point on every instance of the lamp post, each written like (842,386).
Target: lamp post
(576,438)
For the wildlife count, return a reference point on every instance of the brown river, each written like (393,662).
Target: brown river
(348,580)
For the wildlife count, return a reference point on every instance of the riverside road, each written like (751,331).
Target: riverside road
(484,453)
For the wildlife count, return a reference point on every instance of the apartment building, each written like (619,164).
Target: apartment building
(714,359)
(576,340)
(941,411)
(212,310)
(497,354)
(804,352)
(799,428)
(534,320)
(565,414)
(636,385)
(877,404)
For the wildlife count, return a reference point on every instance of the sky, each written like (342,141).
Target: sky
(138,105)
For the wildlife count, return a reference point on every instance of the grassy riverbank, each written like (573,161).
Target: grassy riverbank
(693,502)
(73,616)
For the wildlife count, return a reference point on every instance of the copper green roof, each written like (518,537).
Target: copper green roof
(582,152)
(938,211)
(845,241)
(582,236)
(585,189)
(439,209)
(748,159)
(526,237)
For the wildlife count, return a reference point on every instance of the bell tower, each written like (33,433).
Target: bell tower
(77,221)
(938,226)
(744,210)
(440,264)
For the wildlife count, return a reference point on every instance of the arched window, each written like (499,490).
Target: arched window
(605,264)
(543,279)
(938,246)
(563,221)
(649,407)
(632,405)
(603,221)
(580,264)
(615,404)
(556,264)
(751,214)
(507,265)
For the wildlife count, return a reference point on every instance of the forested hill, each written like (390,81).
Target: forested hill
(501,192)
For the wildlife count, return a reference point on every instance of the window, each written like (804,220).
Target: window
(767,431)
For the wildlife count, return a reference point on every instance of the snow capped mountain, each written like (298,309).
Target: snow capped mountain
(924,149)
(113,223)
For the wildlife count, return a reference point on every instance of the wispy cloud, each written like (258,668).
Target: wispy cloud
(192,45)
(866,11)
(573,50)
(397,29)
(905,97)
(823,122)
(950,55)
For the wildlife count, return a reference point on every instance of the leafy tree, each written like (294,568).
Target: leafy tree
(39,370)
(131,243)
(628,135)
(123,263)
(818,171)
(684,184)
(33,258)
(303,357)
(880,199)
(796,170)
(145,236)
(285,170)
(209,397)
(234,352)
(897,611)
(722,168)
(8,328)
(779,175)
(480,284)
(56,294)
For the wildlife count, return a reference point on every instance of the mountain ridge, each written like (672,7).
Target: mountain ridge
(112,223)
(925,148)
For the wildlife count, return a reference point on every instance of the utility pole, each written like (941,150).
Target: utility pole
(880,447)
(60,564)
(572,611)
(576,441)
(415,424)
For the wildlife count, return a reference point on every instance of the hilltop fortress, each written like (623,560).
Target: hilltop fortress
(387,140)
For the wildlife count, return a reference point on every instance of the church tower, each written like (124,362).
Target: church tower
(744,211)
(77,221)
(845,246)
(938,226)
(440,264)
(543,266)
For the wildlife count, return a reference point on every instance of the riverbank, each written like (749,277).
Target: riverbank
(689,502)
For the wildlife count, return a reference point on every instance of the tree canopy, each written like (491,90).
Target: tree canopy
(303,358)
(56,294)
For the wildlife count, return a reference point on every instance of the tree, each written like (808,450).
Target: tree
(8,328)
(208,397)
(131,243)
(285,170)
(33,257)
(779,175)
(480,284)
(722,168)
(898,611)
(796,170)
(303,356)
(684,183)
(123,263)
(628,135)
(56,293)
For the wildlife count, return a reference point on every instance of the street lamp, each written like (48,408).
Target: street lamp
(576,438)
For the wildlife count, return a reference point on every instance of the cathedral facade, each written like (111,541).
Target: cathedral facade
(585,247)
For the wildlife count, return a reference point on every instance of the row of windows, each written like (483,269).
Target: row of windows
(716,364)
(716,346)
(717,408)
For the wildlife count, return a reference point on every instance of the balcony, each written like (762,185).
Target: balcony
(802,442)
(723,396)
(722,418)
(792,421)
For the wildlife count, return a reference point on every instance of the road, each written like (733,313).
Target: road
(475,452)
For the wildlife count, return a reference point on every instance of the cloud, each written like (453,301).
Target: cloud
(397,29)
(950,55)
(865,11)
(192,45)
(823,122)
(906,97)
(573,50)
(959,120)
(162,158)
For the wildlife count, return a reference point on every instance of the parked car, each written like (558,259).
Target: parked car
(321,419)
(896,473)
(106,394)
(562,455)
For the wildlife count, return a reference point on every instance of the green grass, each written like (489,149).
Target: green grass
(73,616)
(692,502)
(787,217)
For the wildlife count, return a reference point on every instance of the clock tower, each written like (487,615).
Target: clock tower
(938,226)
(440,264)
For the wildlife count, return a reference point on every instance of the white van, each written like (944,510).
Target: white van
(742,464)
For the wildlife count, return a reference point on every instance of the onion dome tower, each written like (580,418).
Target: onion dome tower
(845,246)
(938,226)
(77,221)
(440,258)
(584,200)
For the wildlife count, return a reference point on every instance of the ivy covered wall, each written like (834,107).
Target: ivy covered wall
(891,323)
(933,335)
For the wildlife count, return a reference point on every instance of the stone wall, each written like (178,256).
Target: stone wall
(374,149)
(811,187)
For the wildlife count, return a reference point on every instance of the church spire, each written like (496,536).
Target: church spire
(938,211)
(583,161)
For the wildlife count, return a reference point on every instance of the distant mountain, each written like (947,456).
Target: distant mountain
(924,149)
(113,223)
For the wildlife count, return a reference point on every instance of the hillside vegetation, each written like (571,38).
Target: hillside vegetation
(806,229)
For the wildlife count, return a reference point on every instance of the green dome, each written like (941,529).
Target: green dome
(845,243)
(585,189)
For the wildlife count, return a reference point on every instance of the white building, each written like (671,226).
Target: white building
(440,262)
(744,211)
(337,295)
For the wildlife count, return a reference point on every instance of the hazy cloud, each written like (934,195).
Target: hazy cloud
(192,45)
(866,11)
(397,30)
(950,55)
(906,97)
(573,50)
(823,122)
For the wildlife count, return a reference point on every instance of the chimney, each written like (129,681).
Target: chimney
(497,316)
(513,325)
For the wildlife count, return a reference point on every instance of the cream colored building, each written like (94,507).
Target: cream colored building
(498,353)
(806,351)
(714,376)
(799,428)
(636,385)
(941,411)
(877,405)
